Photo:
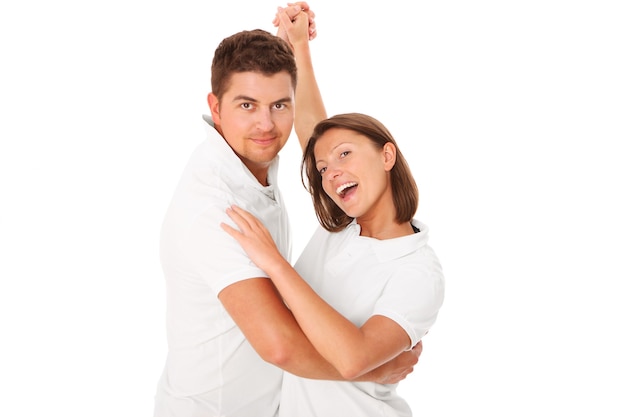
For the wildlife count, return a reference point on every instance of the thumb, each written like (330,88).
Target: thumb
(293,11)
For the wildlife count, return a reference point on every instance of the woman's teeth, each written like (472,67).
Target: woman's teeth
(343,187)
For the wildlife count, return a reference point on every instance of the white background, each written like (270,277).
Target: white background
(511,113)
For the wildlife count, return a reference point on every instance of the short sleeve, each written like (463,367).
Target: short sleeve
(413,295)
(214,254)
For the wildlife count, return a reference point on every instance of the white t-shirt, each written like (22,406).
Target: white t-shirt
(360,277)
(211,369)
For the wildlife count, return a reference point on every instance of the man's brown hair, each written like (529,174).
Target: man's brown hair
(250,51)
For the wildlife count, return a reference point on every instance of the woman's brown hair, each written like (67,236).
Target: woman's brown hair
(403,186)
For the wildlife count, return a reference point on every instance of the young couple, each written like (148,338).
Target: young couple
(250,335)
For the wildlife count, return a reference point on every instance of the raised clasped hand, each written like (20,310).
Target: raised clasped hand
(290,14)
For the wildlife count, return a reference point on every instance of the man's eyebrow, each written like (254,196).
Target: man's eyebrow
(244,98)
(283,100)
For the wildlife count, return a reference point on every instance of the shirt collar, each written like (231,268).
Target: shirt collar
(390,249)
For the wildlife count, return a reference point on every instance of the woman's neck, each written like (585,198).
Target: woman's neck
(382,229)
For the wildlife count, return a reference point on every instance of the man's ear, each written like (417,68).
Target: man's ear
(214,106)
(389,154)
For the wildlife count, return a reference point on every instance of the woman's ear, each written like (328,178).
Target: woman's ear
(389,155)
(214,106)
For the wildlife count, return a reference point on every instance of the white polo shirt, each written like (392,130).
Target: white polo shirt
(360,277)
(211,369)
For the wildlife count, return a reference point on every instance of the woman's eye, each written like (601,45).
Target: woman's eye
(322,170)
(344,154)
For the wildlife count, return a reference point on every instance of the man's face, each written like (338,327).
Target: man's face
(255,116)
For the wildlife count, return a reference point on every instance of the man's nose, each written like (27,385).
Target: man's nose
(264,120)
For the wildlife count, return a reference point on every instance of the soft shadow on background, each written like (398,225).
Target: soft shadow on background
(512,115)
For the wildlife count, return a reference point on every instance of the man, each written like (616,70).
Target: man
(230,336)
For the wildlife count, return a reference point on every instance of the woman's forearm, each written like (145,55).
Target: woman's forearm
(347,347)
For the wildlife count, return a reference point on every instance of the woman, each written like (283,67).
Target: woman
(367,286)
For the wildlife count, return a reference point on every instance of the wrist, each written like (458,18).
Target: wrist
(278,267)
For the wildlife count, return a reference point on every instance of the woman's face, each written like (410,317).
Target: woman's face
(355,173)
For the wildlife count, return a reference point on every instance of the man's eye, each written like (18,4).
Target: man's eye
(246,105)
(279,106)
